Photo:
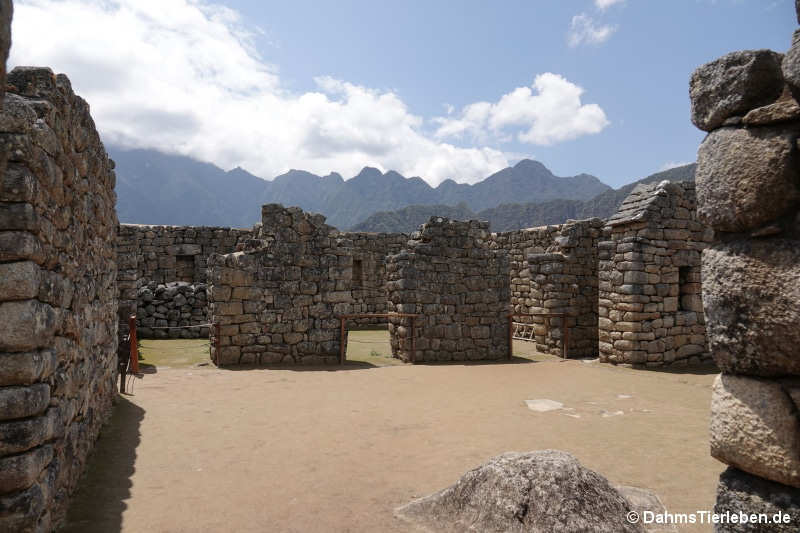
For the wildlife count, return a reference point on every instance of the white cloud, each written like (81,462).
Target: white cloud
(674,164)
(605,4)
(548,112)
(585,30)
(183,76)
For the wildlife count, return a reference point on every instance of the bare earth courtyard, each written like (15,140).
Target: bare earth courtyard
(337,449)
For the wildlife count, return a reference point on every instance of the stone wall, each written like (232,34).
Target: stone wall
(748,190)
(180,306)
(369,271)
(650,309)
(159,255)
(278,300)
(553,269)
(449,274)
(58,314)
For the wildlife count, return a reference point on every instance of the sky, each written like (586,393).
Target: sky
(432,88)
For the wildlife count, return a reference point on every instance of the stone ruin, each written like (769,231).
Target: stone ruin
(553,269)
(459,287)
(650,310)
(748,191)
(58,301)
(627,288)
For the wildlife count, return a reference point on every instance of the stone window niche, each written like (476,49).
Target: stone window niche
(184,268)
(358,273)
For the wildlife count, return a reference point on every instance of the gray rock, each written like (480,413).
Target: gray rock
(746,177)
(754,427)
(790,66)
(642,500)
(781,111)
(546,491)
(751,290)
(739,492)
(733,85)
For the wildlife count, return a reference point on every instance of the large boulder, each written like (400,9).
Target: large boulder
(751,290)
(740,493)
(546,491)
(733,85)
(754,427)
(790,66)
(746,177)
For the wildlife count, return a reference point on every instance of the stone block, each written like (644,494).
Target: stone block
(19,472)
(24,401)
(751,296)
(24,368)
(746,177)
(754,427)
(733,85)
(739,492)
(19,280)
(27,324)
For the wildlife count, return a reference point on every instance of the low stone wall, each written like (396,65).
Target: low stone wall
(58,310)
(748,190)
(278,301)
(554,270)
(449,274)
(165,254)
(172,305)
(650,309)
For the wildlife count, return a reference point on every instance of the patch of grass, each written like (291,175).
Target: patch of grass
(371,346)
(175,353)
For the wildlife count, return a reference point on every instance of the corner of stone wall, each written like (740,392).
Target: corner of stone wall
(58,304)
(748,190)
(451,277)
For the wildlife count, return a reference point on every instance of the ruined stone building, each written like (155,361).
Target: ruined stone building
(649,308)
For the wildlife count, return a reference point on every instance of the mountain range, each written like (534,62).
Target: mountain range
(511,216)
(157,188)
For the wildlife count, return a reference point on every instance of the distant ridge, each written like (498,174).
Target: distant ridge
(158,188)
(511,216)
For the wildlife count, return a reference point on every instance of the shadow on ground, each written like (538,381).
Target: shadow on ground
(98,504)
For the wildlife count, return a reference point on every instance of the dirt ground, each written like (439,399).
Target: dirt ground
(201,449)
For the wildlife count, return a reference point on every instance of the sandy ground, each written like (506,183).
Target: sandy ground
(202,449)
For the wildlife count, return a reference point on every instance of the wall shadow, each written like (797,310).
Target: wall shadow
(97,505)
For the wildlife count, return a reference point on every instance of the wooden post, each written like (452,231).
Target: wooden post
(341,342)
(134,364)
(413,343)
(217,360)
(565,336)
(510,336)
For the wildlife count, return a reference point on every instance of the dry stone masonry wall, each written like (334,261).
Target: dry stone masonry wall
(553,269)
(650,309)
(58,309)
(748,190)
(160,263)
(278,300)
(369,271)
(449,274)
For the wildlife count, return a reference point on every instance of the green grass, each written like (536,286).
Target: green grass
(173,353)
(364,346)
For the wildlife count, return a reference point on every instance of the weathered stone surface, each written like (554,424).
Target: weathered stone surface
(643,500)
(739,492)
(546,491)
(21,402)
(58,302)
(6,13)
(790,65)
(780,111)
(754,427)
(21,471)
(24,368)
(733,85)
(751,290)
(746,177)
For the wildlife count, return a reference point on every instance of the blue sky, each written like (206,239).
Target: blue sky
(436,88)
